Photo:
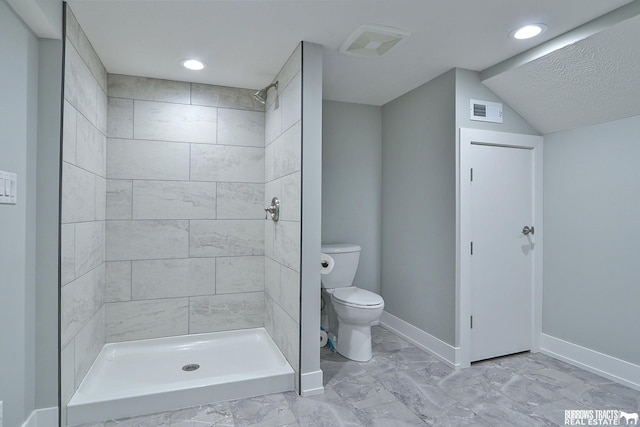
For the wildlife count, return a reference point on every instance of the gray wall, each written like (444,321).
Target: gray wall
(19,51)
(419,207)
(469,86)
(420,132)
(352,183)
(592,226)
(49,93)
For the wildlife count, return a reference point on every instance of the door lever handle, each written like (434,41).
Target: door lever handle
(528,230)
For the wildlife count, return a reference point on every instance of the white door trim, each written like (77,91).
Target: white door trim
(463,260)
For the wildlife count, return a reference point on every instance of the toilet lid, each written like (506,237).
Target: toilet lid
(357,296)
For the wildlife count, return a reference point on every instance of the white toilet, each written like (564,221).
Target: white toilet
(355,308)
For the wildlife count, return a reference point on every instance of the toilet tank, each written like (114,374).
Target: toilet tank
(346,257)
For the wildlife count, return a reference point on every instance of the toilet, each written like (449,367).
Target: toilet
(352,309)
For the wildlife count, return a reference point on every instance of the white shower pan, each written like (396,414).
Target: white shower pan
(142,377)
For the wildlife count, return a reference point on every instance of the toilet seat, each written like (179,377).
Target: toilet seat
(355,297)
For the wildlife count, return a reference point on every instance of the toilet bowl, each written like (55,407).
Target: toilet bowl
(356,310)
(353,309)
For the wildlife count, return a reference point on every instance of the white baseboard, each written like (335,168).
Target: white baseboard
(46,417)
(598,363)
(421,339)
(311,384)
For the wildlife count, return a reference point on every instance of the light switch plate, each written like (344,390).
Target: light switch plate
(8,188)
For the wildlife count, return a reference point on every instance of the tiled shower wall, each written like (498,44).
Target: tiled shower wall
(283,165)
(83,207)
(185,219)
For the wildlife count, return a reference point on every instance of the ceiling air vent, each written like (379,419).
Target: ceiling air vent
(373,40)
(485,111)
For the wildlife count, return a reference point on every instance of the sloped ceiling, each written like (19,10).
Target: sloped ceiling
(591,81)
(245,42)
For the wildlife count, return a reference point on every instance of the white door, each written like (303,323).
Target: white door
(501,279)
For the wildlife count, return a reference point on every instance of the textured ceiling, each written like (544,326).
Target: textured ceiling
(246,42)
(591,81)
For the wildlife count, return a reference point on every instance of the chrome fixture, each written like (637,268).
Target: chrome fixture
(261,95)
(528,230)
(273,210)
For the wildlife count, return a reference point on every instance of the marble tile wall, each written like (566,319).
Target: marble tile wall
(282,175)
(84,189)
(184,209)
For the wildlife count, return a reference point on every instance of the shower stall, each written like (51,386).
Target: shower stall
(176,290)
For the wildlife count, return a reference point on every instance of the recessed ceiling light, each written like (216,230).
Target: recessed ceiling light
(193,64)
(528,31)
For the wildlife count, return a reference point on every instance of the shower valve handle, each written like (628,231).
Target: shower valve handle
(273,210)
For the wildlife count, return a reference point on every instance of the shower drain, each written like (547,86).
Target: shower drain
(190,367)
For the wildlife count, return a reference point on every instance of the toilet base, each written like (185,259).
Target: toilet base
(354,342)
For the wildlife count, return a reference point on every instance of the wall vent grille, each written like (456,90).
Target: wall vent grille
(479,110)
(485,111)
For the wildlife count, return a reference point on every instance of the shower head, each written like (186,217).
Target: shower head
(261,95)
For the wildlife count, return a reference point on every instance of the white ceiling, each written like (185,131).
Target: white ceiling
(245,42)
(591,81)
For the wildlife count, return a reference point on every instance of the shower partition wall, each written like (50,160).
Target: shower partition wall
(83,208)
(282,175)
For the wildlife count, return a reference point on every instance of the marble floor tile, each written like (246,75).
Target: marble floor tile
(496,376)
(587,377)
(458,415)
(554,411)
(331,371)
(379,364)
(339,370)
(322,411)
(363,392)
(217,414)
(502,411)
(530,393)
(271,410)
(403,386)
(462,378)
(611,396)
(389,415)
(384,341)
(425,400)
(434,371)
(520,363)
(552,376)
(410,359)
(575,390)
(472,394)
(574,371)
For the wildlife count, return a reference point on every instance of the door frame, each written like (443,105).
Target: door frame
(467,137)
